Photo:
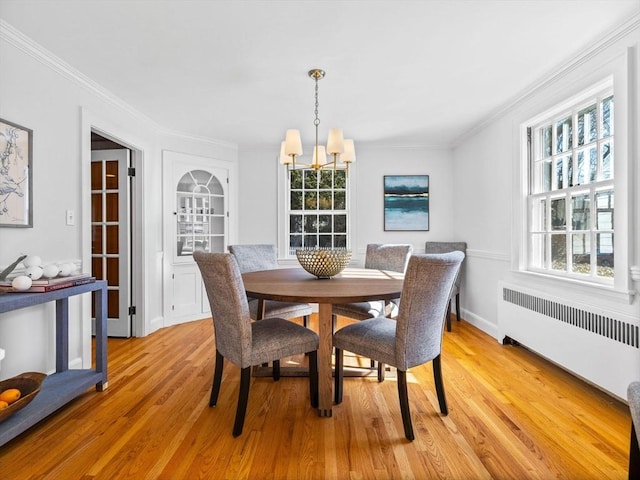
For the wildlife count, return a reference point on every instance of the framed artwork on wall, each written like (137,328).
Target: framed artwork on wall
(16,147)
(406,202)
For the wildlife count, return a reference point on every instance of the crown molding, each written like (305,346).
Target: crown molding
(47,58)
(560,71)
(196,138)
(36,51)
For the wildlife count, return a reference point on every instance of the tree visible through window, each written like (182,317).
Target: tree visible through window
(317,206)
(571,198)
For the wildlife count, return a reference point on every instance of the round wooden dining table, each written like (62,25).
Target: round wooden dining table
(297,285)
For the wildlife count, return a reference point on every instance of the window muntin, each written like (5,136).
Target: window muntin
(571,194)
(317,209)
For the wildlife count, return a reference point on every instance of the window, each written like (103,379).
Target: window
(571,190)
(317,209)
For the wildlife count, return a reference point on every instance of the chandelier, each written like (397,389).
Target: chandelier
(340,149)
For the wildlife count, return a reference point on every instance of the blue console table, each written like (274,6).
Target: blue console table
(64,385)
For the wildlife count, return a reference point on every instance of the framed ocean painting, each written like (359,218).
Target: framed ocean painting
(406,202)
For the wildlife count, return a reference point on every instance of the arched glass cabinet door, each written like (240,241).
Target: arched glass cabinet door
(200,214)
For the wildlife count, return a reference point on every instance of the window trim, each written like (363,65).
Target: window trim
(616,69)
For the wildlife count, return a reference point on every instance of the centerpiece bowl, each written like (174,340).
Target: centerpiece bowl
(29,385)
(323,262)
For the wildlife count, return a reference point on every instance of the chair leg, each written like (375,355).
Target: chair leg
(381,369)
(338,377)
(404,405)
(634,455)
(305,321)
(243,396)
(334,320)
(449,316)
(313,378)
(437,377)
(457,306)
(217,379)
(276,370)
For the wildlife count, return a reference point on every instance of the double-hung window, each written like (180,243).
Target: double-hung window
(571,190)
(317,211)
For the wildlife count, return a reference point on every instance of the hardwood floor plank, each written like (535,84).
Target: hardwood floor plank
(511,415)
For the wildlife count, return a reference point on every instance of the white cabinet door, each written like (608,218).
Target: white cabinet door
(196,218)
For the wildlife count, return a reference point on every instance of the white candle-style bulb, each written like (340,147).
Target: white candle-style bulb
(335,144)
(293,143)
(349,154)
(319,155)
(284,158)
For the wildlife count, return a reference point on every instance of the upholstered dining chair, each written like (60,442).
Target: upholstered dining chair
(446,247)
(246,343)
(252,258)
(379,256)
(633,396)
(415,337)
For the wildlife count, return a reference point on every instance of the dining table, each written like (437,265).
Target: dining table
(349,286)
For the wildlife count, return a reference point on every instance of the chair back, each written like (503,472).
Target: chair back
(253,258)
(446,247)
(229,308)
(388,256)
(425,296)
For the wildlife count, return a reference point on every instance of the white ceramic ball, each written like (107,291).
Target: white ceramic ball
(34,273)
(66,269)
(21,283)
(32,261)
(50,271)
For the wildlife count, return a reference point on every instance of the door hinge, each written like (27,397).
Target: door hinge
(227,179)
(132,310)
(131,171)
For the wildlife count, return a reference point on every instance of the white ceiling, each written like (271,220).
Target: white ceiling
(398,72)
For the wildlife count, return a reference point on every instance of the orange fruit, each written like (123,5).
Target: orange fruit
(10,395)
(3,405)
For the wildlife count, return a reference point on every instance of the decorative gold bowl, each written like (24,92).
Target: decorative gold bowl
(29,385)
(323,262)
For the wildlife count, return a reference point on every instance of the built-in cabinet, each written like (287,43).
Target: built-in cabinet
(197,218)
(200,214)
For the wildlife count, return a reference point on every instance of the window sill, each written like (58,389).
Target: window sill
(576,288)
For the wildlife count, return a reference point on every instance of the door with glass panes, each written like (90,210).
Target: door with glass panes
(197,219)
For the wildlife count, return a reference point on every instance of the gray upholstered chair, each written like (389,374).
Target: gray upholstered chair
(415,337)
(252,258)
(379,256)
(246,343)
(445,247)
(633,395)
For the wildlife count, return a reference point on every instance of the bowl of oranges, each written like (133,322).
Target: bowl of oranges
(17,392)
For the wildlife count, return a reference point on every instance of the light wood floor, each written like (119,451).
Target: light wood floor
(511,415)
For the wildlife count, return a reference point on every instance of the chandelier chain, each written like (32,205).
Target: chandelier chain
(316,122)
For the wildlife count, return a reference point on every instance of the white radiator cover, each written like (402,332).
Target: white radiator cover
(601,348)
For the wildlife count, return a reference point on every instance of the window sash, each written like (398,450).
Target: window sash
(570,171)
(317,210)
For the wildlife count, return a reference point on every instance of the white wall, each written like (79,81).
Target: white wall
(259,208)
(60,105)
(486,169)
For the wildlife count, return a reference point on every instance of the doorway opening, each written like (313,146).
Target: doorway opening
(112,234)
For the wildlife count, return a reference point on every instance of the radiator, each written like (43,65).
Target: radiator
(601,348)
